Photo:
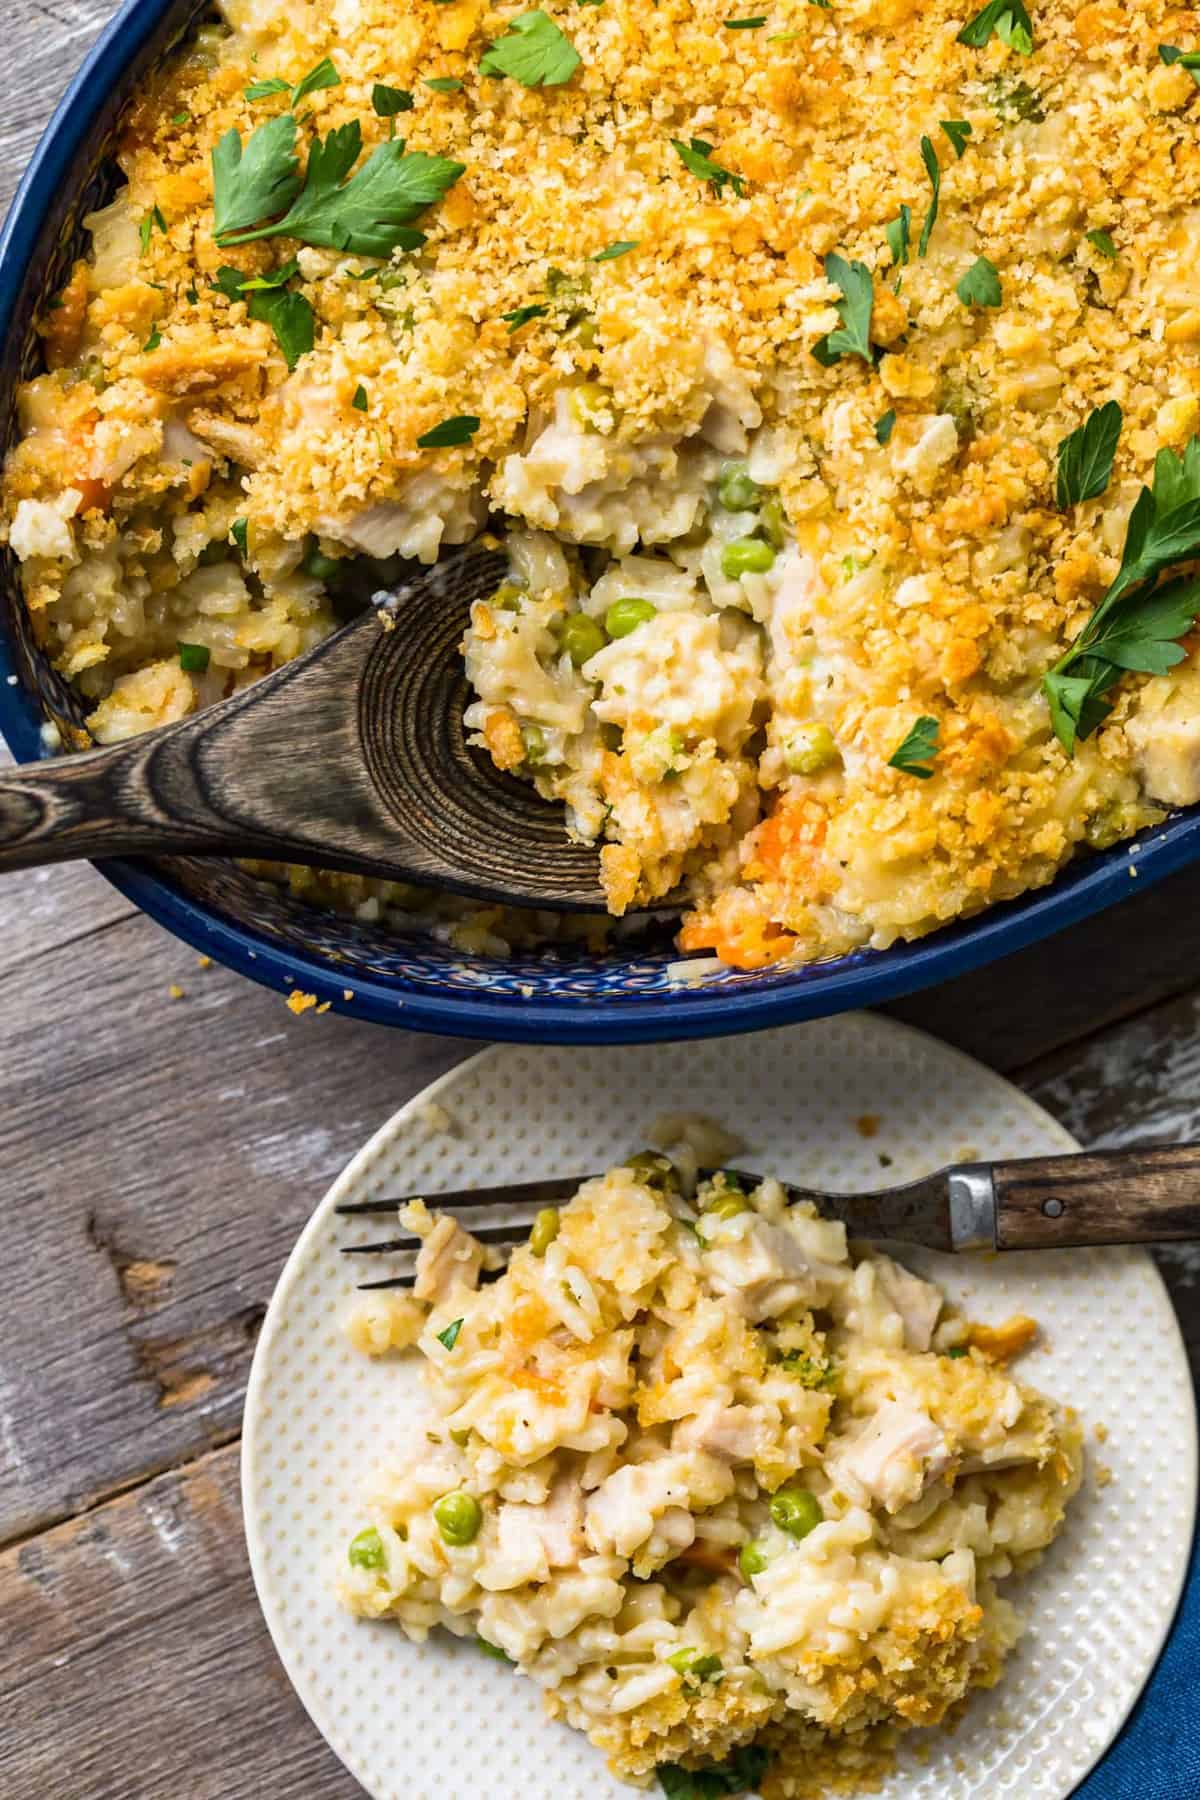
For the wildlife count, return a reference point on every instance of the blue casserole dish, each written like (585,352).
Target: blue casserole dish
(626,995)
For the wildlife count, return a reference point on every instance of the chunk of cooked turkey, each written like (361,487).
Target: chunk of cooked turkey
(917,1302)
(449,1257)
(894,1458)
(736,1434)
(764,1269)
(626,1509)
(537,1538)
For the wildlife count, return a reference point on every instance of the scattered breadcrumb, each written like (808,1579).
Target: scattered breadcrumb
(298,1002)
(867,1125)
(175,991)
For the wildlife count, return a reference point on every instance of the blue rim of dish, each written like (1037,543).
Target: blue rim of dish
(866,978)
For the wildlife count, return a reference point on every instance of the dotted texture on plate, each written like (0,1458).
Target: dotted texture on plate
(418,1722)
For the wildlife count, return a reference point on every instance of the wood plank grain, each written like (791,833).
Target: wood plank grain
(135,1658)
(44,43)
(160,1156)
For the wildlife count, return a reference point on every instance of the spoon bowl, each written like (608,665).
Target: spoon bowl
(352,757)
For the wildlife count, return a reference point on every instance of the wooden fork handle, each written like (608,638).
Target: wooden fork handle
(1102,1197)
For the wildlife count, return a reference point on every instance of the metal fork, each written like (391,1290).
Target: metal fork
(1040,1203)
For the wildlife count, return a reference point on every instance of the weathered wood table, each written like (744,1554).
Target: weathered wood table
(160,1152)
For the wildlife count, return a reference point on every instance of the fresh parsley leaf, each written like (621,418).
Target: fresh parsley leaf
(885,426)
(741,1773)
(193,658)
(534,51)
(744,24)
(898,233)
(459,430)
(239,532)
(696,157)
(367,213)
(1101,241)
(853,336)
(1138,623)
(323,76)
(181,118)
(290,317)
(256,182)
(263,90)
(154,340)
(958,131)
(915,755)
(444,84)
(981,285)
(387,102)
(521,315)
(152,222)
(1006,19)
(229,281)
(933,169)
(1187,59)
(359,402)
(612,251)
(449,1337)
(1085,458)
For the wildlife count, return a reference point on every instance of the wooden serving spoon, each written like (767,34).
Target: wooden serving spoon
(351,757)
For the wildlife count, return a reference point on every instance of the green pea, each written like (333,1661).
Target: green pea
(796,1511)
(590,402)
(366,1550)
(321,567)
(735,490)
(581,637)
(746,556)
(534,740)
(654,1170)
(752,1559)
(624,616)
(726,1206)
(545,1230)
(508,596)
(391,279)
(810,749)
(773,522)
(459,1517)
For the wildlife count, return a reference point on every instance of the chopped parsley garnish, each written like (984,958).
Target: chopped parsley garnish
(695,1668)
(459,430)
(696,156)
(741,1773)
(154,340)
(612,251)
(744,24)
(521,315)
(323,76)
(1101,241)
(290,316)
(1014,100)
(885,426)
(194,658)
(387,102)
(958,1351)
(1085,458)
(359,402)
(981,285)
(487,1648)
(812,1372)
(444,84)
(181,118)
(1006,19)
(368,213)
(1138,624)
(933,169)
(152,222)
(958,131)
(915,755)
(239,533)
(534,51)
(1170,54)
(853,336)
(449,1337)
(898,233)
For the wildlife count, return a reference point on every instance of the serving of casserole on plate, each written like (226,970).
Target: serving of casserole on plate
(810,1486)
(831,372)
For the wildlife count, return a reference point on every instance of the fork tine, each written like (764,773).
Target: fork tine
(509,1231)
(517,1193)
(406,1281)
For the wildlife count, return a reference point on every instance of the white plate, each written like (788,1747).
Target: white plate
(420,1722)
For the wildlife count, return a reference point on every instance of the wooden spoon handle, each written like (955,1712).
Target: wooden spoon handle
(99,803)
(1101,1197)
